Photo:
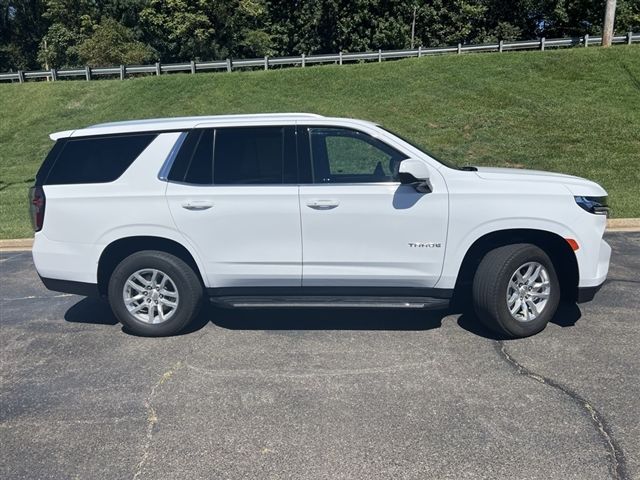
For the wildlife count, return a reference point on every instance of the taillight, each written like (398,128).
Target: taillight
(37,203)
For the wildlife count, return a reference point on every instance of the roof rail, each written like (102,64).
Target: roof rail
(205,118)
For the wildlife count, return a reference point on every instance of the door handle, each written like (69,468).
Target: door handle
(197,205)
(323,204)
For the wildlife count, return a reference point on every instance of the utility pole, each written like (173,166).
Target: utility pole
(609,17)
(413,27)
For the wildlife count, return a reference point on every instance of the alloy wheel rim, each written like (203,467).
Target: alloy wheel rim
(150,296)
(528,292)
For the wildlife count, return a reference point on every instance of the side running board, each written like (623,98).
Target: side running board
(320,301)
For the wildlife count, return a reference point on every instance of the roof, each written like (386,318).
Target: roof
(183,123)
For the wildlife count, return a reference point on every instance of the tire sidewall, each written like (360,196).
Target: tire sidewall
(178,271)
(506,321)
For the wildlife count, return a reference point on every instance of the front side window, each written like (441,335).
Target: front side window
(341,155)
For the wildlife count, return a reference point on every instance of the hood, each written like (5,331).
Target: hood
(576,185)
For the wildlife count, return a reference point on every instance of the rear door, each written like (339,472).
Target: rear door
(233,194)
(360,226)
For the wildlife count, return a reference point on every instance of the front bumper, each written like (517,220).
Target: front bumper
(593,264)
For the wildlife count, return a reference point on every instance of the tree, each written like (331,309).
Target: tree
(70,22)
(252,22)
(113,44)
(609,18)
(21,29)
(57,48)
(178,29)
(60,33)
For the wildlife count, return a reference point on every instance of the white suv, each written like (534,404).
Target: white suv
(300,210)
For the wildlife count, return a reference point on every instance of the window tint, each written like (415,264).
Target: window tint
(50,159)
(347,156)
(183,158)
(249,156)
(96,159)
(200,169)
(194,161)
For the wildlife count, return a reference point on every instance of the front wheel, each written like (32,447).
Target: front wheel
(516,290)
(154,293)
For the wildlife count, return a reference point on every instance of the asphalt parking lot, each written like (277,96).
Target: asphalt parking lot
(319,394)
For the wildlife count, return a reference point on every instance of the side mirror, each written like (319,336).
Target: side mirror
(415,173)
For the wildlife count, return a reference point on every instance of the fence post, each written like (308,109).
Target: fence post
(419,51)
(266,63)
(20,76)
(340,59)
(158,69)
(379,55)
(228,64)
(542,40)
(629,37)
(123,72)
(500,45)
(586,40)
(193,66)
(54,75)
(303,61)
(87,72)
(459,48)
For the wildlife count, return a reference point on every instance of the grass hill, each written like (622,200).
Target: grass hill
(575,111)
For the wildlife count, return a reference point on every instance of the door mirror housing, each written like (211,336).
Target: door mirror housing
(415,173)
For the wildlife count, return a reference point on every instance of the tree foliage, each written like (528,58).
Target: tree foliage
(56,33)
(111,43)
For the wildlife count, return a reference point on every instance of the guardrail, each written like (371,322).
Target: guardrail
(89,73)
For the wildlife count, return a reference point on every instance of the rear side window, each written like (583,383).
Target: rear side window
(94,159)
(200,169)
(237,156)
(248,156)
(194,162)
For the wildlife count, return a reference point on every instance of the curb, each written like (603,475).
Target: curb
(613,225)
(623,225)
(16,245)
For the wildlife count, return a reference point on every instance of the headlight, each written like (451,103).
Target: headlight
(595,205)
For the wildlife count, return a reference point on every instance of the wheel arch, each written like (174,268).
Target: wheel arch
(559,251)
(119,249)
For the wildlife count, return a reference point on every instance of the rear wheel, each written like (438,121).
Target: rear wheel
(154,293)
(516,290)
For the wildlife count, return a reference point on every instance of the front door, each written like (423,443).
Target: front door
(232,193)
(360,226)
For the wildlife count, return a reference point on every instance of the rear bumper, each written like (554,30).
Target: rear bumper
(586,294)
(69,261)
(68,286)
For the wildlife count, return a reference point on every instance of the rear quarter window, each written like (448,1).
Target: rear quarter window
(92,159)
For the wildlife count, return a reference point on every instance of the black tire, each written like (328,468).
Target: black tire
(490,286)
(182,275)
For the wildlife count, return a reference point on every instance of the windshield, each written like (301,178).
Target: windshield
(413,144)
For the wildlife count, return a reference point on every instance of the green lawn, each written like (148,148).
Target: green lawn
(574,111)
